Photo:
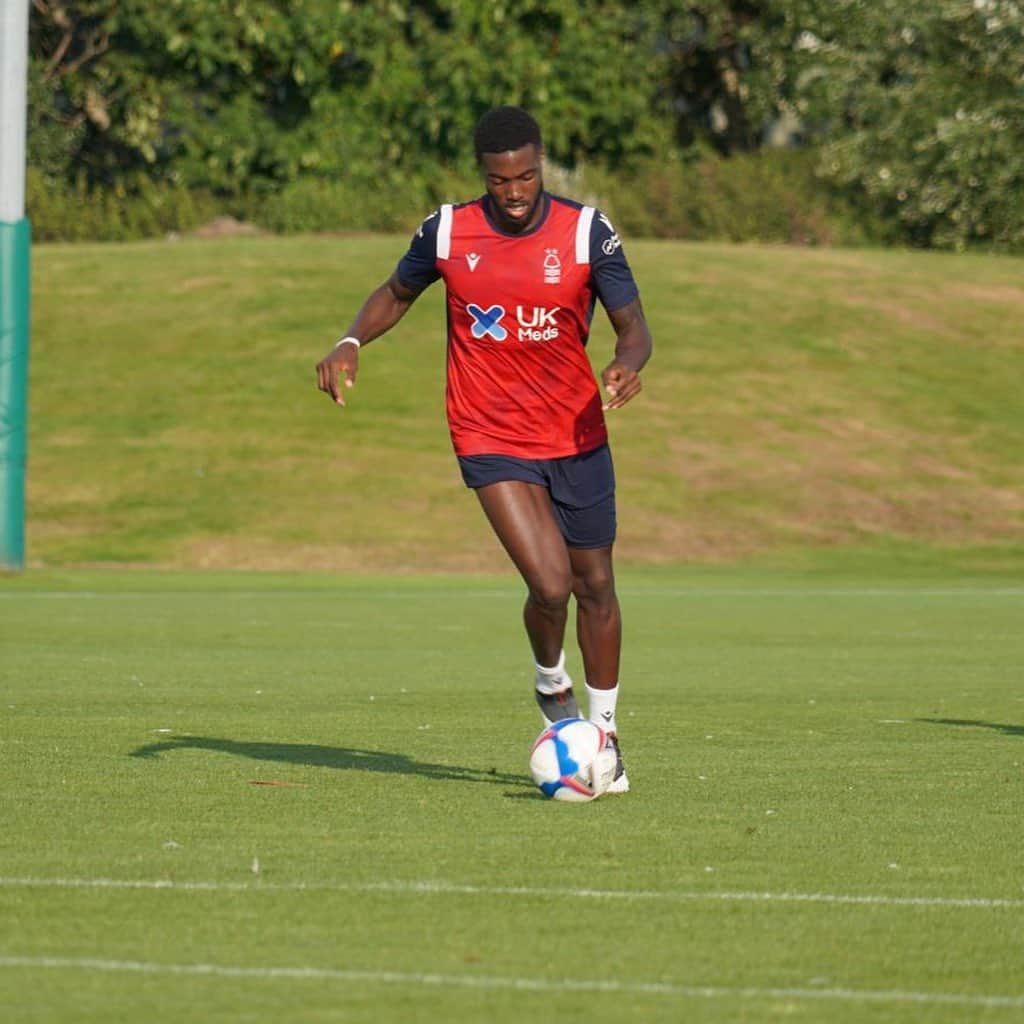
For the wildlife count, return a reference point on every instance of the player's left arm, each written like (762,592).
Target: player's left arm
(613,282)
(633,345)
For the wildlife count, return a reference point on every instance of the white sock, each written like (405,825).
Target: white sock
(602,707)
(553,680)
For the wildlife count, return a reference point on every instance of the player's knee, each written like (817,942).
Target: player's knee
(551,593)
(596,587)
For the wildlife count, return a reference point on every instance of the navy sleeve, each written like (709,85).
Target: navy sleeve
(418,267)
(609,271)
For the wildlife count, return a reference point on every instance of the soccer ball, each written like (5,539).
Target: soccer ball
(568,761)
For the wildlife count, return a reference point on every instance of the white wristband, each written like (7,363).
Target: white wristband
(347,340)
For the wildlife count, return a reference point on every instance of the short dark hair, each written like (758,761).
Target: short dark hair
(503,129)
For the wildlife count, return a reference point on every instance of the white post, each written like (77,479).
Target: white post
(13,77)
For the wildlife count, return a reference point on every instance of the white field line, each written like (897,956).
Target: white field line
(481,981)
(458,889)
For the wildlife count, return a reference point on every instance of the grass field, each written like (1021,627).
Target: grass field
(261,797)
(300,794)
(797,398)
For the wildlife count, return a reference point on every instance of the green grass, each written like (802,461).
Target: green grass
(798,398)
(827,734)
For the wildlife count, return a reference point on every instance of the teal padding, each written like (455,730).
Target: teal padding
(15,247)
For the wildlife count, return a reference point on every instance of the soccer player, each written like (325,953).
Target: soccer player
(523,269)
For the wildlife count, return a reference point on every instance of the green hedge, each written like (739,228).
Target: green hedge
(386,203)
(772,196)
(78,213)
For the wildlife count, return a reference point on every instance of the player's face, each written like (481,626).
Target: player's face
(514,183)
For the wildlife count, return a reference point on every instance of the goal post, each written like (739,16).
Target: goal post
(15,248)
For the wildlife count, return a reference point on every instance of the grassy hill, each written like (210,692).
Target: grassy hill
(798,400)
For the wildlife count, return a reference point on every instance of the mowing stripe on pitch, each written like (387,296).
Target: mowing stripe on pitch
(609,986)
(457,889)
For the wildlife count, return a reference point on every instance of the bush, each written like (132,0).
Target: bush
(385,203)
(79,213)
(769,196)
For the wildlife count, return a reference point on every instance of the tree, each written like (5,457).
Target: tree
(921,111)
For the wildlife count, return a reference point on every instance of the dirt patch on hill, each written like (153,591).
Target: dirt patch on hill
(999,294)
(225,227)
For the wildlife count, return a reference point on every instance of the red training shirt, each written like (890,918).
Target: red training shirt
(519,312)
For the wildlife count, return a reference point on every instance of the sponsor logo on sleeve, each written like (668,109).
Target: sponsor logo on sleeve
(610,244)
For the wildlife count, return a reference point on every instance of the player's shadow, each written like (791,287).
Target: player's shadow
(314,755)
(1007,730)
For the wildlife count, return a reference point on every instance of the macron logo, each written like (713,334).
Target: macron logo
(487,321)
(472,259)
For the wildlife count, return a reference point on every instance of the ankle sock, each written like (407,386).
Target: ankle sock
(601,705)
(552,680)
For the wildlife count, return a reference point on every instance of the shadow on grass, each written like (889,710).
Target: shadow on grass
(1007,730)
(342,758)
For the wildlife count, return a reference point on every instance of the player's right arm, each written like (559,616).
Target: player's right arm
(384,307)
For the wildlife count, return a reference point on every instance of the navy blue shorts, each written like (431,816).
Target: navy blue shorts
(581,487)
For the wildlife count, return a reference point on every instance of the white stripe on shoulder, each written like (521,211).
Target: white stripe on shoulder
(444,232)
(583,234)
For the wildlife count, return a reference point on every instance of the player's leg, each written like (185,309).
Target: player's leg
(599,633)
(583,503)
(521,516)
(583,498)
(598,618)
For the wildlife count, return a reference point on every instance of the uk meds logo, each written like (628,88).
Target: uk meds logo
(487,322)
(535,323)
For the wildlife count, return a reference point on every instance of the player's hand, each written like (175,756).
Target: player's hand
(340,362)
(621,383)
